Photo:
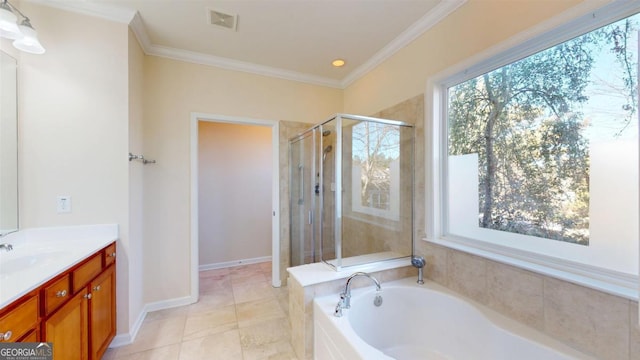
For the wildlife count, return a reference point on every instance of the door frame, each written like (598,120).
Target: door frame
(275,192)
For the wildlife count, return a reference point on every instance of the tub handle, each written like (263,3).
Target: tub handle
(343,303)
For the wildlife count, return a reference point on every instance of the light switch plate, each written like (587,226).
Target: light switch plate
(63,204)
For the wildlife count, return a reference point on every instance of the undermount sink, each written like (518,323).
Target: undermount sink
(12,263)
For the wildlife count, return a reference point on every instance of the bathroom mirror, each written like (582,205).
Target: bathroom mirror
(8,145)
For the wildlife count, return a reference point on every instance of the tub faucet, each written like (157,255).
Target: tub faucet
(418,261)
(6,247)
(345,295)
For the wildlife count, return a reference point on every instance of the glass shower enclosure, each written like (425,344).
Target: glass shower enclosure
(351,192)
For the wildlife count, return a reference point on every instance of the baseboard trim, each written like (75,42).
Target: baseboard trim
(168,304)
(228,264)
(128,338)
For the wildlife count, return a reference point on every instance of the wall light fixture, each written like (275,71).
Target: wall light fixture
(24,36)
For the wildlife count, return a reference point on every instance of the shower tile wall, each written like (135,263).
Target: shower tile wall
(359,235)
(411,111)
(288,129)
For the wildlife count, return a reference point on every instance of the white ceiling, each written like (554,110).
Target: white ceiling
(293,39)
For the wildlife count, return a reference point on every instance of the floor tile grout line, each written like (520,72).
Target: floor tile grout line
(249,273)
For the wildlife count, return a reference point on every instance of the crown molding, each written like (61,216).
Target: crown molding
(99,10)
(229,64)
(430,19)
(133,19)
(140,31)
(138,28)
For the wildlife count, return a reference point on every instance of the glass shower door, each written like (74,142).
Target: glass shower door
(302,194)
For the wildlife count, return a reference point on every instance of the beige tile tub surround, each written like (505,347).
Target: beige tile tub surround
(593,322)
(301,303)
(588,320)
(596,323)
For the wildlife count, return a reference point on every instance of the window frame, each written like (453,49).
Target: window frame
(548,34)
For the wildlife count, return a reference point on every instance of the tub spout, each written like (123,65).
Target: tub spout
(6,247)
(345,296)
(418,261)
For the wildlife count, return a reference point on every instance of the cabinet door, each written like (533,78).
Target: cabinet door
(31,337)
(102,309)
(67,329)
(19,321)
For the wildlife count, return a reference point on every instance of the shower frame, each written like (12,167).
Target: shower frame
(319,148)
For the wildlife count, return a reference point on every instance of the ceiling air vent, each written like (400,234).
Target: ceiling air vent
(227,21)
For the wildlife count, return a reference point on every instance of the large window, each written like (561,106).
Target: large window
(542,152)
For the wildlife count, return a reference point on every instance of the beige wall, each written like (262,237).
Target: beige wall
(135,255)
(474,27)
(234,192)
(73,118)
(173,90)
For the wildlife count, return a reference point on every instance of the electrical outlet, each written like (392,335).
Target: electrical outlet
(63,204)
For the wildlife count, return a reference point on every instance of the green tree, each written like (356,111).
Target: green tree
(376,145)
(525,123)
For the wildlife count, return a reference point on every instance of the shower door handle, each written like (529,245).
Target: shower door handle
(310,218)
(301,175)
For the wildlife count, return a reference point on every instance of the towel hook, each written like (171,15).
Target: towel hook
(141,158)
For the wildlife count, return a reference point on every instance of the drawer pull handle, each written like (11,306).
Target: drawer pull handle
(97,288)
(61,293)
(113,254)
(88,296)
(5,336)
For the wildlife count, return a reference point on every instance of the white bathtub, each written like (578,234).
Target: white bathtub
(425,322)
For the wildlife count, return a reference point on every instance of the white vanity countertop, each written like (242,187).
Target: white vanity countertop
(40,254)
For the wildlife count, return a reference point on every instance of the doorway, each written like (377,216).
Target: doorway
(233,249)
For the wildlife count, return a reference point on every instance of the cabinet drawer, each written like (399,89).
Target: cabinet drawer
(86,272)
(56,294)
(110,255)
(20,320)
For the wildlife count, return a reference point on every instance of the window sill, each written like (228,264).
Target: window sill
(610,282)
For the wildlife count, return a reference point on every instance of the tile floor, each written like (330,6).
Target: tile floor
(239,316)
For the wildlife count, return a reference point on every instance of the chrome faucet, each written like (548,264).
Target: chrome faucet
(6,247)
(345,295)
(418,261)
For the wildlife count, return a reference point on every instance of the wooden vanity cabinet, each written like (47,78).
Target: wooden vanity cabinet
(20,320)
(68,329)
(90,314)
(102,312)
(76,310)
